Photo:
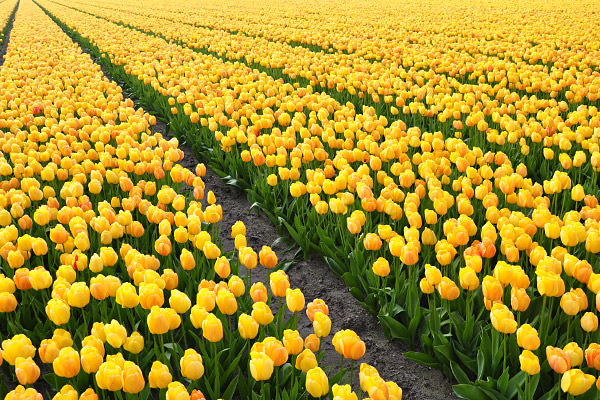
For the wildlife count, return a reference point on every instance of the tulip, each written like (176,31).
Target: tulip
(26,370)
(529,362)
(315,306)
(48,351)
(132,378)
(20,393)
(448,289)
(247,326)
(279,283)
(115,334)
(312,342)
(292,341)
(226,302)
(212,328)
(261,366)
(19,346)
(527,337)
(294,300)
(206,298)
(176,391)
(503,319)
(258,292)
(575,382)
(317,383)
(351,345)
(306,360)
(78,295)
(134,343)
(67,364)
(589,322)
(62,338)
(191,365)
(127,296)
(558,359)
(197,316)
(381,267)
(91,359)
(321,324)
(262,313)
(592,356)
(575,353)
(151,295)
(179,301)
(158,321)
(108,376)
(88,394)
(159,376)
(58,312)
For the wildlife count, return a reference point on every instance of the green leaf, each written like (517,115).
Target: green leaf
(469,392)
(515,383)
(395,328)
(422,358)
(503,381)
(459,373)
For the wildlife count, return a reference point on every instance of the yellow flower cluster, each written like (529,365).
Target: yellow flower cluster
(487,193)
(104,234)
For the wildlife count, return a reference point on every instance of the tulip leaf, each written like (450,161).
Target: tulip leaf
(396,329)
(422,358)
(515,384)
(459,373)
(551,394)
(469,392)
(480,363)
(503,381)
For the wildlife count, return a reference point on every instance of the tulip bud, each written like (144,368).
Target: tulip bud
(294,300)
(558,359)
(191,365)
(108,376)
(247,326)
(321,324)
(527,337)
(261,366)
(159,376)
(212,328)
(262,313)
(317,383)
(26,370)
(529,362)
(589,322)
(67,364)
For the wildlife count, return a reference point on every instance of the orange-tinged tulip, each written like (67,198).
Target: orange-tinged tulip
(527,337)
(558,359)
(26,370)
(67,364)
(575,353)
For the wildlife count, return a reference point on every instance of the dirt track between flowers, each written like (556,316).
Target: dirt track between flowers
(316,280)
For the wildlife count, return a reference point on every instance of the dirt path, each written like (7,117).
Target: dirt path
(316,280)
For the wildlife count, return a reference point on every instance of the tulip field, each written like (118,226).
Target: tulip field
(442,158)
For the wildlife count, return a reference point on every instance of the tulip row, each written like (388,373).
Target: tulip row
(490,108)
(101,227)
(7,12)
(384,184)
